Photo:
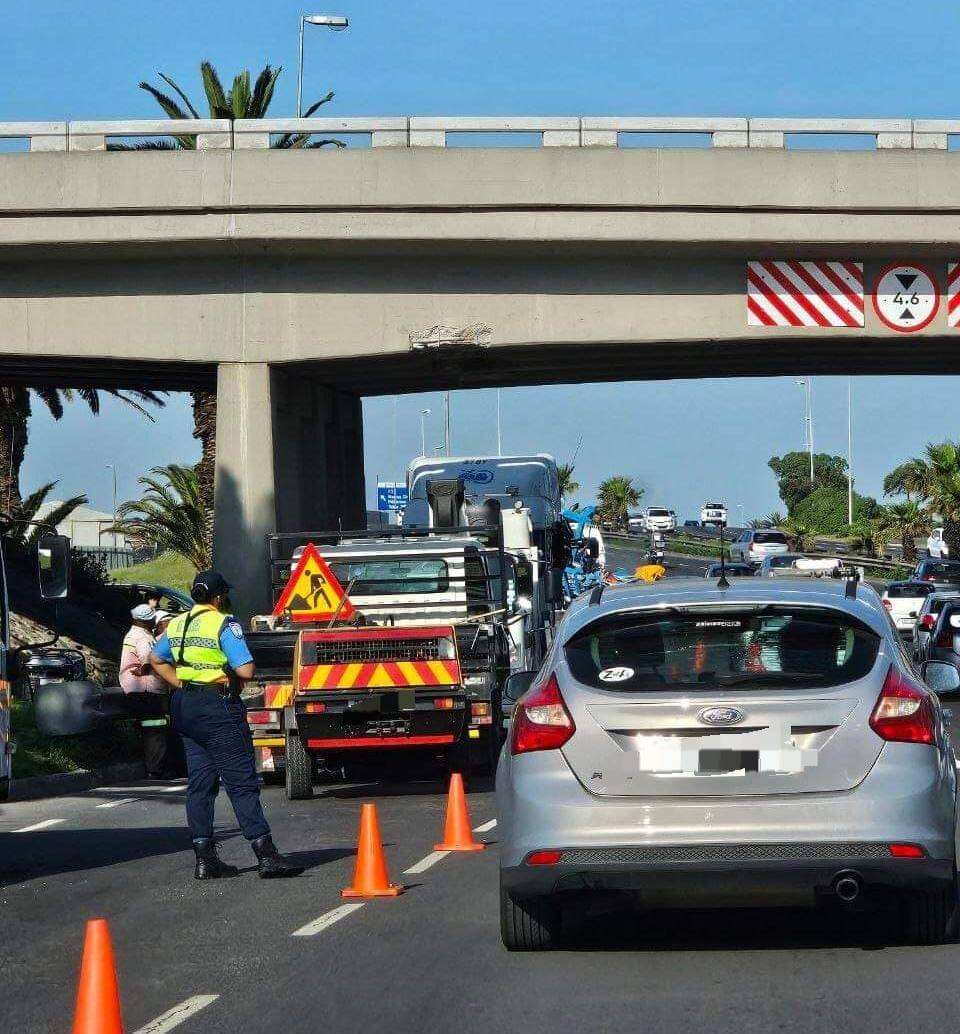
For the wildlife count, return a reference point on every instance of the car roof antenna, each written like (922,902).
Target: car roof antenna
(723,583)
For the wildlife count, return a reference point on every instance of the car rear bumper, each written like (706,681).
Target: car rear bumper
(702,879)
(797,841)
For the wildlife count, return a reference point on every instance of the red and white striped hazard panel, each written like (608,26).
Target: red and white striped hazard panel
(953,294)
(804,294)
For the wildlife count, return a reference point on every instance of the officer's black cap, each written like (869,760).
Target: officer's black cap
(209,584)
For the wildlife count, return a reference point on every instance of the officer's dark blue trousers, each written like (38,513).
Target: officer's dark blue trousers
(217,745)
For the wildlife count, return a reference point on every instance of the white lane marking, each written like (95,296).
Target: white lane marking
(40,825)
(486,827)
(174,789)
(327,919)
(425,863)
(175,1016)
(137,789)
(118,802)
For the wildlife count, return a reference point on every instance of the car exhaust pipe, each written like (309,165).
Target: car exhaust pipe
(847,886)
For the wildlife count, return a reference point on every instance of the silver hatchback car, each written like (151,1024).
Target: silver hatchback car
(766,743)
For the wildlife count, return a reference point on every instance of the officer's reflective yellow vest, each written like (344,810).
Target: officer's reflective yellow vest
(202,658)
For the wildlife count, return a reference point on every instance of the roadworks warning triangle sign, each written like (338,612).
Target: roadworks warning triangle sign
(313,592)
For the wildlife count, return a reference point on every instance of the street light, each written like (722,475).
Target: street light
(110,466)
(807,384)
(424,413)
(334,22)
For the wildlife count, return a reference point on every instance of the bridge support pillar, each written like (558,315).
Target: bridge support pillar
(289,458)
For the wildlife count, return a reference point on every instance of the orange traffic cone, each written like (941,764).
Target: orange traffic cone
(98,996)
(370,879)
(457,834)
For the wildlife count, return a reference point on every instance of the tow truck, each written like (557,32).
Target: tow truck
(444,612)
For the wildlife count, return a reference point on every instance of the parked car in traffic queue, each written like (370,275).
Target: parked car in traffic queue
(685,745)
(927,620)
(942,574)
(779,566)
(713,515)
(754,545)
(903,601)
(731,570)
(944,642)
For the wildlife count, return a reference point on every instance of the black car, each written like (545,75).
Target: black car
(115,601)
(944,643)
(691,524)
(941,573)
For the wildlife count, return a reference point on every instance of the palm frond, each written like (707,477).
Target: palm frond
(56,516)
(213,88)
(263,91)
(316,104)
(186,100)
(238,98)
(169,105)
(52,398)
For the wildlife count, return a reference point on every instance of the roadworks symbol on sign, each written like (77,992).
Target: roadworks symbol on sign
(313,592)
(906,297)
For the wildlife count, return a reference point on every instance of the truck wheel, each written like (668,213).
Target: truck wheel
(926,916)
(298,774)
(529,924)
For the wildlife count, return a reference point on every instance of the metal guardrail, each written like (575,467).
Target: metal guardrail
(432,131)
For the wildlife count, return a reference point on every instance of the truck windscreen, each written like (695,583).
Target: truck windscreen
(399,577)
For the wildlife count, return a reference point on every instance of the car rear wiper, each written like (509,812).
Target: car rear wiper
(767,676)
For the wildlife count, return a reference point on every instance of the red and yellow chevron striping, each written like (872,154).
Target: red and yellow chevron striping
(379,675)
(277,694)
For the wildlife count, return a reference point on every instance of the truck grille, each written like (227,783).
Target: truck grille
(363,650)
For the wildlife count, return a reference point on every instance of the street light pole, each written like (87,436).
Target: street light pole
(424,413)
(446,423)
(806,384)
(499,438)
(849,450)
(112,467)
(336,22)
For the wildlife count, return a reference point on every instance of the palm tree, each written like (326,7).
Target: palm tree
(908,522)
(941,490)
(798,532)
(21,532)
(240,101)
(616,496)
(15,411)
(170,514)
(568,486)
(907,479)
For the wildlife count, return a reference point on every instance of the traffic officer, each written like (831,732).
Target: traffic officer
(204,658)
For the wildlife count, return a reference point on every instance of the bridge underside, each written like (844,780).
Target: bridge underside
(299,283)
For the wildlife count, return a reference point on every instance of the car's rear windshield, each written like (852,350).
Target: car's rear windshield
(770,537)
(742,647)
(656,512)
(942,569)
(713,506)
(908,589)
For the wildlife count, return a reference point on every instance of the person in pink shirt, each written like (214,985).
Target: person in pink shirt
(144,690)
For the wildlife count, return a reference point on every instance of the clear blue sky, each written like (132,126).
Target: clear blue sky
(683,441)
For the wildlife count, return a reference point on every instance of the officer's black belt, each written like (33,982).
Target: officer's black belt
(223,688)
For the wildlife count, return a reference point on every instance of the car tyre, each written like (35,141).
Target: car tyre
(298,772)
(927,916)
(528,924)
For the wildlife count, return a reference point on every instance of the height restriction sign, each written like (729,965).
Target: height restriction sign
(906,297)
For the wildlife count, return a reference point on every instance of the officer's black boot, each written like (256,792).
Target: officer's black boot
(209,866)
(272,863)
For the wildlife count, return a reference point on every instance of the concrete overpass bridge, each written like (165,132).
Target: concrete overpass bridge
(298,281)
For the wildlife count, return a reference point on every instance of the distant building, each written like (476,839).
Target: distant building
(86,527)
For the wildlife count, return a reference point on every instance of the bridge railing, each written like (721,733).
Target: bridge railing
(435,131)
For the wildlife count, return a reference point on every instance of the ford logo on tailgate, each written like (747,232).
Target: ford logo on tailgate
(720,716)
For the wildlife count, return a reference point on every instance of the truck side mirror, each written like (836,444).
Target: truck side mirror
(53,565)
(593,548)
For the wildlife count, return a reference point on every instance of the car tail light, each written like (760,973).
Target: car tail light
(903,712)
(887,604)
(443,703)
(541,720)
(315,708)
(545,857)
(906,851)
(928,621)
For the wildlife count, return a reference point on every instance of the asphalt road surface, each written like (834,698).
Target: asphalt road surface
(252,955)
(621,555)
(226,956)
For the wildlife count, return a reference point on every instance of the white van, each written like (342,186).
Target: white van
(936,547)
